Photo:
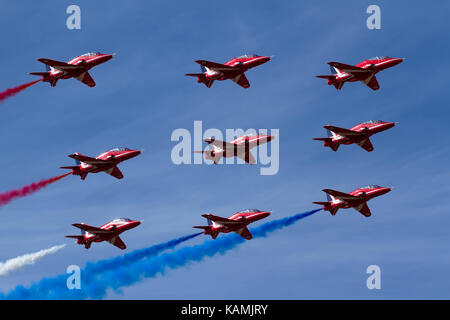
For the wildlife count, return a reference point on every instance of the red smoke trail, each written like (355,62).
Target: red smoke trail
(8,196)
(12,91)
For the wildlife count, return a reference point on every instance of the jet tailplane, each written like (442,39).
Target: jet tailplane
(328,142)
(327,207)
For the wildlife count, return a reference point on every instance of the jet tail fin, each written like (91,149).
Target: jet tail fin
(46,75)
(327,205)
(208,229)
(208,221)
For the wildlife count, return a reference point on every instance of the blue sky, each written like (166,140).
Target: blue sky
(142,95)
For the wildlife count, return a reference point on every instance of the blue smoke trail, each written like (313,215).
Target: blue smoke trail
(47,286)
(124,273)
(107,264)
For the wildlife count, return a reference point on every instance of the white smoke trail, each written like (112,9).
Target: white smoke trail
(30,258)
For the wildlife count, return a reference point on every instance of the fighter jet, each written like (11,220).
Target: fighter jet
(236,223)
(356,199)
(239,147)
(233,69)
(106,162)
(358,134)
(108,232)
(364,71)
(76,68)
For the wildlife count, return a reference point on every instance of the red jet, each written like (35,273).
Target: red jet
(239,147)
(233,69)
(108,232)
(76,68)
(356,199)
(106,162)
(364,71)
(358,134)
(236,223)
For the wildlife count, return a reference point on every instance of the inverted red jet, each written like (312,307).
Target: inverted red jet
(233,69)
(356,199)
(76,68)
(236,223)
(364,71)
(108,232)
(358,134)
(239,147)
(106,162)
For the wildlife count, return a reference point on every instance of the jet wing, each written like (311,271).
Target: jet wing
(345,197)
(363,209)
(115,172)
(223,221)
(60,65)
(116,241)
(222,68)
(86,79)
(354,202)
(88,160)
(366,145)
(92,230)
(242,81)
(343,132)
(245,233)
(247,157)
(348,68)
(372,83)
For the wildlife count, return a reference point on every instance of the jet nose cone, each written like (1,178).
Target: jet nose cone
(385,190)
(389,125)
(136,223)
(265,214)
(396,61)
(106,57)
